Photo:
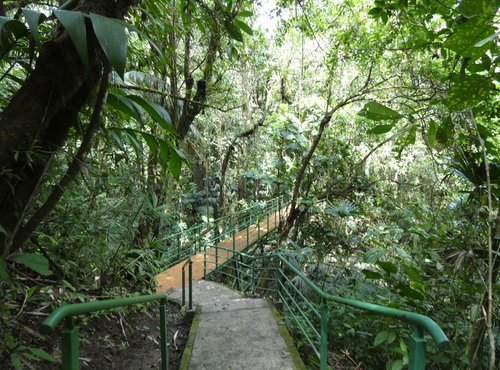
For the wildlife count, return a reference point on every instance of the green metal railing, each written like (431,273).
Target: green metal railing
(185,243)
(190,279)
(70,346)
(182,245)
(307,306)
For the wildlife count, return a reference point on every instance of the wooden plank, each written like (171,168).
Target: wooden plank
(172,278)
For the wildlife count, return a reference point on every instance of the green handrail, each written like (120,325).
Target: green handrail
(421,323)
(190,279)
(197,234)
(69,337)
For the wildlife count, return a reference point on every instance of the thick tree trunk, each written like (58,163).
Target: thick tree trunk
(36,122)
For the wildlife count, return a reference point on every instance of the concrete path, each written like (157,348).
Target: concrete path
(237,333)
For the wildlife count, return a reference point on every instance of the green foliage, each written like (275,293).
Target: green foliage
(378,112)
(113,40)
(35,262)
(74,23)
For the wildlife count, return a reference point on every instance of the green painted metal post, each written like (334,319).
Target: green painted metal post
(279,215)
(417,350)
(216,256)
(275,224)
(163,334)
(277,280)
(204,260)
(178,248)
(258,228)
(267,217)
(190,284)
(237,266)
(324,336)
(183,287)
(70,346)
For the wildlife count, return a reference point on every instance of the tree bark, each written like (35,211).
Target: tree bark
(36,122)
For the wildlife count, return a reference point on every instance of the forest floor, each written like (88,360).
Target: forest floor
(115,341)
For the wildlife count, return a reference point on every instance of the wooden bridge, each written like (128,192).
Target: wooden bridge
(234,239)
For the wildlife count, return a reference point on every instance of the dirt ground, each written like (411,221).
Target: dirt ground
(116,341)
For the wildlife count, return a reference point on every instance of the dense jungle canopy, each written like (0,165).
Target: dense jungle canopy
(124,121)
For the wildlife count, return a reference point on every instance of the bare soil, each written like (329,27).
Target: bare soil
(114,341)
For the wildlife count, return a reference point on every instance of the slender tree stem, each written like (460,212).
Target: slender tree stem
(489,311)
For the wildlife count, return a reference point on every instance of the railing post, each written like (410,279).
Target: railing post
(417,350)
(190,277)
(279,215)
(258,227)
(163,334)
(277,280)
(204,260)
(70,345)
(183,286)
(248,228)
(324,335)
(216,246)
(267,217)
(178,248)
(275,223)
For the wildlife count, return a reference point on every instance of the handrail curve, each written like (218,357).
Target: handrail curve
(422,321)
(50,323)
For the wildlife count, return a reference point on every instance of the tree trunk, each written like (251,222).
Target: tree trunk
(36,122)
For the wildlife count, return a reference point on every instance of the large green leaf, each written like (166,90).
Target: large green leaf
(372,274)
(34,19)
(445,131)
(233,31)
(388,267)
(156,111)
(14,26)
(175,163)
(471,8)
(41,354)
(113,40)
(381,338)
(243,26)
(469,34)
(381,129)
(244,13)
(74,23)
(123,104)
(378,112)
(468,92)
(35,262)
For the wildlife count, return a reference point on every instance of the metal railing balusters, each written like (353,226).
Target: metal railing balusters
(70,345)
(314,328)
(163,334)
(417,350)
(324,335)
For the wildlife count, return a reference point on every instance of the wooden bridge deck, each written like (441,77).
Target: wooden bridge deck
(172,278)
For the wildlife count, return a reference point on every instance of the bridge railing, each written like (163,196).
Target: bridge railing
(183,244)
(306,306)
